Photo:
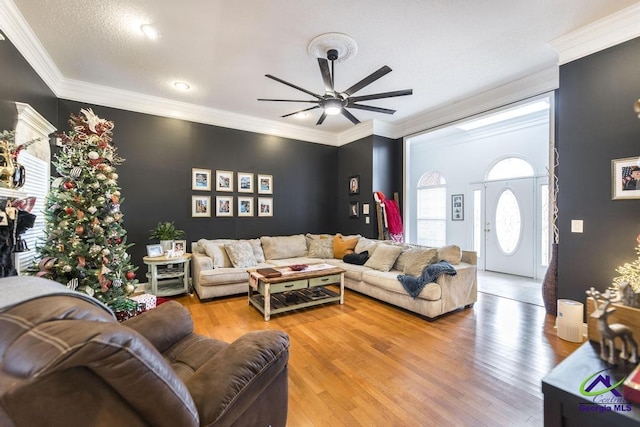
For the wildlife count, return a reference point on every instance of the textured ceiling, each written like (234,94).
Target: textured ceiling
(445,50)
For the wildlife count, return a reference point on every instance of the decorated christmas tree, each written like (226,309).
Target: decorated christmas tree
(85,245)
(630,272)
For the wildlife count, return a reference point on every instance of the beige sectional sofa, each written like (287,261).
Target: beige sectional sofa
(219,268)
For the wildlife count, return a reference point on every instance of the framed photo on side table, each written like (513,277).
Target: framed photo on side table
(200,206)
(457,207)
(625,178)
(224,181)
(224,205)
(180,246)
(265,184)
(154,250)
(201,179)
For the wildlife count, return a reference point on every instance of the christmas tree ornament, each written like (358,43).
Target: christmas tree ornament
(92,210)
(79,229)
(75,172)
(130,275)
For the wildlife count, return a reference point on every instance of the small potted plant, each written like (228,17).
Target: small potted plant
(166,232)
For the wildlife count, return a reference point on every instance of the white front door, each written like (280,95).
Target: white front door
(510,226)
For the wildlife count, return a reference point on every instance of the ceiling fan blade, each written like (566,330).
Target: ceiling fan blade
(301,111)
(381,95)
(286,100)
(326,74)
(370,108)
(293,86)
(321,119)
(368,80)
(350,116)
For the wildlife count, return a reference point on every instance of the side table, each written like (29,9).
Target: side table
(168,276)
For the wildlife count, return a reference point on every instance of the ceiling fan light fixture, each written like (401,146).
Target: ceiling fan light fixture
(332,106)
(181,86)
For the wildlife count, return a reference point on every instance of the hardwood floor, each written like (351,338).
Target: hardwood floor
(370,364)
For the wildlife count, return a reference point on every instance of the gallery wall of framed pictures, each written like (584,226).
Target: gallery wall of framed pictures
(228,205)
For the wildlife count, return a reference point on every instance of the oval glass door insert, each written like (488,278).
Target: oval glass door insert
(508,222)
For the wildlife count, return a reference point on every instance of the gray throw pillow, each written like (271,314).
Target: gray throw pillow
(321,248)
(418,259)
(241,254)
(384,257)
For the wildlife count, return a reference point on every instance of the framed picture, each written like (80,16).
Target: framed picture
(625,178)
(245,182)
(201,179)
(224,181)
(245,206)
(354,209)
(265,206)
(154,250)
(224,205)
(354,184)
(200,206)
(180,246)
(265,184)
(457,207)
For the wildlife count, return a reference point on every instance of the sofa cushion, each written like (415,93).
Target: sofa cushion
(384,257)
(418,259)
(309,237)
(450,253)
(216,251)
(389,281)
(343,246)
(241,254)
(365,244)
(321,248)
(279,247)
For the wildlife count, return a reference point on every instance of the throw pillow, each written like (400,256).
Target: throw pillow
(418,259)
(241,254)
(384,257)
(257,250)
(281,247)
(450,253)
(365,244)
(216,251)
(321,248)
(355,258)
(342,247)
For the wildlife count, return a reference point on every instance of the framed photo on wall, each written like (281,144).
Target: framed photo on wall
(354,209)
(245,206)
(245,182)
(265,206)
(265,184)
(457,207)
(224,205)
(200,206)
(625,178)
(201,179)
(224,181)
(354,184)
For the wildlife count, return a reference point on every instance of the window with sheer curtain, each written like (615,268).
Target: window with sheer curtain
(432,210)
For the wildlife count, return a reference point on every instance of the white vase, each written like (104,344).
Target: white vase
(167,245)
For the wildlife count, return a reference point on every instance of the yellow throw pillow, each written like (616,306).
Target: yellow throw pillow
(342,247)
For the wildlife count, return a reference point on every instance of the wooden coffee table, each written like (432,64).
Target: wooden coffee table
(295,289)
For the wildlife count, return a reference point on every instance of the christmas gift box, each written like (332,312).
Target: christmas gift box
(147,299)
(631,386)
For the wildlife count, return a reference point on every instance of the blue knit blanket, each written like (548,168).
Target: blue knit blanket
(414,285)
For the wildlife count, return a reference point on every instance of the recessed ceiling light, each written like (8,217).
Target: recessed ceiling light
(181,85)
(150,31)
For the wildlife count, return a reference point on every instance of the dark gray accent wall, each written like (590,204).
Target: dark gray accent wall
(155,179)
(19,82)
(596,124)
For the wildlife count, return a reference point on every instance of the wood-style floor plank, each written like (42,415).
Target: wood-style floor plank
(371,364)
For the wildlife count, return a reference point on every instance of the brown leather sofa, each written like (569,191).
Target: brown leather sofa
(66,361)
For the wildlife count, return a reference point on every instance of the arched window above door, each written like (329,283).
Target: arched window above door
(511,167)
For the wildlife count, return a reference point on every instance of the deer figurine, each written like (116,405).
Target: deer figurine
(608,333)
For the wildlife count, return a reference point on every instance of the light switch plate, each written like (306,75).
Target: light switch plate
(366,220)
(576,226)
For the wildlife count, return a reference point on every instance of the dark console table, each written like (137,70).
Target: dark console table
(564,405)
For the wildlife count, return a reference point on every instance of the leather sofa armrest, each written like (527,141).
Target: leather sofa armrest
(163,326)
(239,374)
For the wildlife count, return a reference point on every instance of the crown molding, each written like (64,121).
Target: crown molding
(599,35)
(538,83)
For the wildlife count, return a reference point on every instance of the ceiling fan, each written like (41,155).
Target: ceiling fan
(333,102)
